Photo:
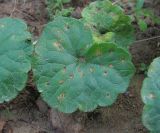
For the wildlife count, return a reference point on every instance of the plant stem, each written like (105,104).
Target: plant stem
(143,40)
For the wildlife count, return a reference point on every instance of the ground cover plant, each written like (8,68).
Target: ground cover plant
(84,57)
(56,8)
(151,97)
(74,73)
(15,51)
(81,65)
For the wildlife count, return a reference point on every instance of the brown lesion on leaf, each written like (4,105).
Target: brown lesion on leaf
(152,96)
(71,76)
(61,82)
(59,34)
(98,52)
(58,46)
(64,70)
(66,27)
(110,65)
(79,70)
(81,74)
(122,59)
(47,83)
(82,59)
(92,69)
(105,73)
(61,97)
(107,95)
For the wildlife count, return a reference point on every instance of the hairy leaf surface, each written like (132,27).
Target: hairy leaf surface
(14,57)
(151,97)
(71,73)
(103,17)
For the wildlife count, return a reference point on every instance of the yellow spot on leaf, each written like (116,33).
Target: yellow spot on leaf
(122,60)
(58,46)
(152,96)
(61,97)
(98,52)
(111,66)
(71,76)
(105,73)
(107,95)
(79,70)
(64,69)
(92,69)
(61,81)
(81,74)
(47,83)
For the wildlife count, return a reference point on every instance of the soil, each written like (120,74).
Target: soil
(29,114)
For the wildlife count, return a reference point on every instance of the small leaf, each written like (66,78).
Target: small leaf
(139,4)
(65,1)
(142,24)
(103,17)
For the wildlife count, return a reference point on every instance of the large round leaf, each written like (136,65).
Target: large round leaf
(103,17)
(71,73)
(14,52)
(151,97)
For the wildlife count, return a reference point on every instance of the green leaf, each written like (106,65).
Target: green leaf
(103,17)
(15,49)
(142,24)
(151,97)
(150,14)
(108,37)
(139,4)
(66,1)
(71,73)
(64,12)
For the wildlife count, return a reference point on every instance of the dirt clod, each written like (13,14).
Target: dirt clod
(42,106)
(65,123)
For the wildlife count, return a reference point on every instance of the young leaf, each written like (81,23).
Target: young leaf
(14,55)
(139,4)
(142,24)
(66,1)
(151,97)
(71,73)
(103,17)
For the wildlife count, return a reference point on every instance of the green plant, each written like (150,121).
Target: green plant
(15,50)
(72,72)
(143,16)
(151,97)
(109,23)
(143,68)
(56,8)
